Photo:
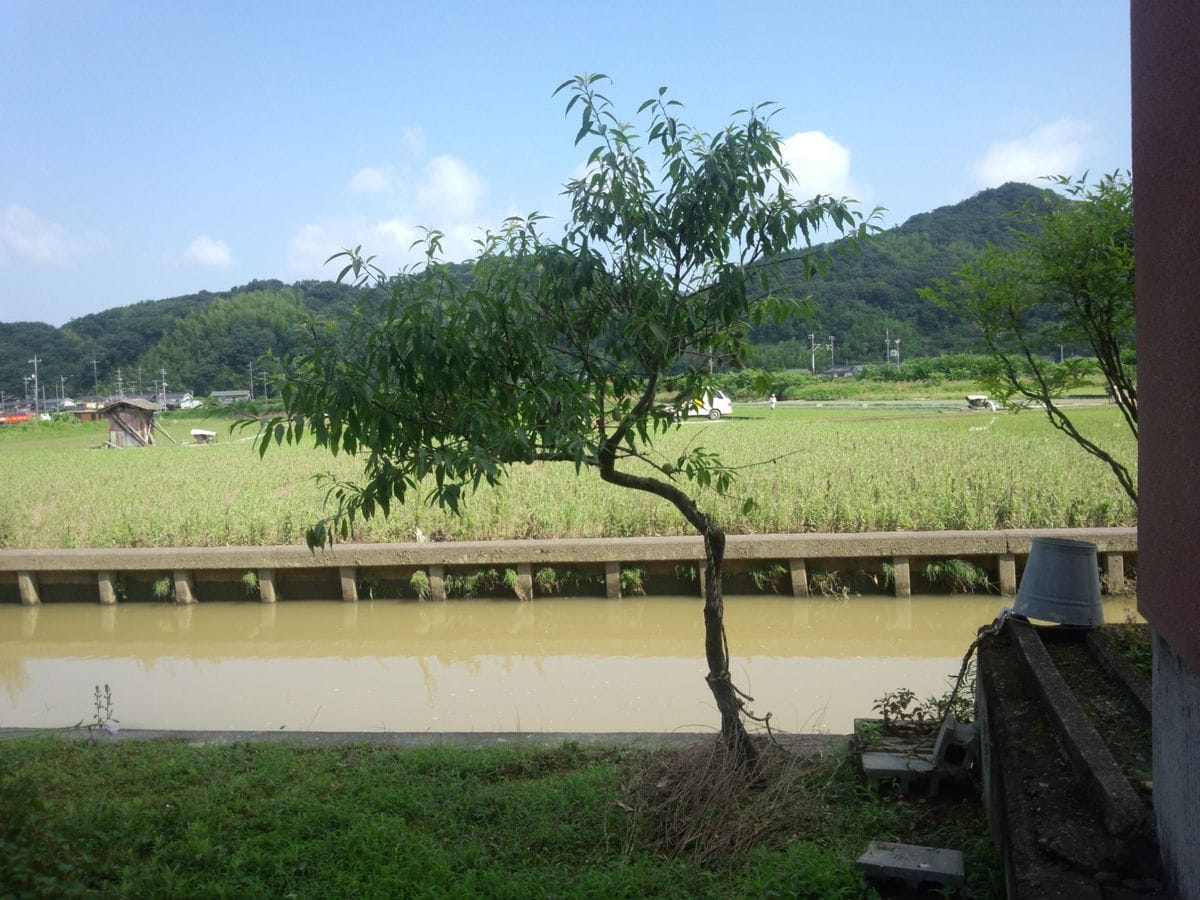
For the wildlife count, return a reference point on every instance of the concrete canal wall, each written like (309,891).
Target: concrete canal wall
(192,574)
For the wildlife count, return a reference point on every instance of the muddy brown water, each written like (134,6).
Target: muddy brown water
(588,665)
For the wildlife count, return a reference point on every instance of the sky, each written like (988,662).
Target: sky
(159,148)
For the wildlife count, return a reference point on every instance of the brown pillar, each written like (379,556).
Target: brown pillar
(1166,194)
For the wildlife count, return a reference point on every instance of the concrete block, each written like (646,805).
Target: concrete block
(106,584)
(799,571)
(28,587)
(437,582)
(954,747)
(348,576)
(1114,573)
(266,586)
(612,580)
(901,576)
(902,769)
(524,581)
(915,866)
(185,592)
(1006,564)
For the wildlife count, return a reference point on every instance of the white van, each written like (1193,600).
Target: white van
(713,404)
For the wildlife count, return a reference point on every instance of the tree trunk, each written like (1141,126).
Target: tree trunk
(716,651)
(716,648)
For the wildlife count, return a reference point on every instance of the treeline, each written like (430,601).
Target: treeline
(210,341)
(755,383)
(975,369)
(869,294)
(203,342)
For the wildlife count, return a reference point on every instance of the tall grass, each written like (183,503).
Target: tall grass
(166,819)
(809,470)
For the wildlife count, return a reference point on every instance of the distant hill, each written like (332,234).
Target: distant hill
(207,341)
(872,293)
(203,341)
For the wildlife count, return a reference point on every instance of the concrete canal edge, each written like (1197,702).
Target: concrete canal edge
(801,744)
(200,573)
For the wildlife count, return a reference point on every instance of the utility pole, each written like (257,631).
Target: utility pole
(62,383)
(251,379)
(95,377)
(35,362)
(812,346)
(162,394)
(891,350)
(120,386)
(830,346)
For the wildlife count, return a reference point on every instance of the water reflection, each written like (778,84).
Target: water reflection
(550,665)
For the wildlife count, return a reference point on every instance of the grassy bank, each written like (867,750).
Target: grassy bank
(253,820)
(809,469)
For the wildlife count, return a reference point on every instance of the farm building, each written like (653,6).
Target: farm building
(224,398)
(130,423)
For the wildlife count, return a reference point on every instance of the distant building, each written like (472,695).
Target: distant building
(224,398)
(842,371)
(184,400)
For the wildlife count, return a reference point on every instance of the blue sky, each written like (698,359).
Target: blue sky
(160,148)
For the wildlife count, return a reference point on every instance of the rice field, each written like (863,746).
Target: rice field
(808,469)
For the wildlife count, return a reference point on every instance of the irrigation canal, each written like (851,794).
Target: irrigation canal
(557,664)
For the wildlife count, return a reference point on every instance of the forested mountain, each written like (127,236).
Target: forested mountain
(208,341)
(869,295)
(204,342)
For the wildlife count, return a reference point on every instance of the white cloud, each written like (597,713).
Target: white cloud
(27,237)
(1056,148)
(449,189)
(458,241)
(373,180)
(400,200)
(399,233)
(209,252)
(311,246)
(389,241)
(413,140)
(820,165)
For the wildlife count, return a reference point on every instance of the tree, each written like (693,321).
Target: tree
(1068,284)
(556,351)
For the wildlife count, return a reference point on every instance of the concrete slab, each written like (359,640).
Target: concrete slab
(901,768)
(916,866)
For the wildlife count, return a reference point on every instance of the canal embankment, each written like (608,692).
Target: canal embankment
(607,566)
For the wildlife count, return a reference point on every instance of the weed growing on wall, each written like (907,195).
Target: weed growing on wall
(419,582)
(633,581)
(957,575)
(769,578)
(250,583)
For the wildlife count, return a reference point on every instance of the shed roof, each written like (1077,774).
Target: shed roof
(136,403)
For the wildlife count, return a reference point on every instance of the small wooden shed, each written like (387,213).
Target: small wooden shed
(130,423)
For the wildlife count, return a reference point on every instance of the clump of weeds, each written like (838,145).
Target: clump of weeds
(957,575)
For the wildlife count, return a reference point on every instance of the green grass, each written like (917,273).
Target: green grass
(809,469)
(257,820)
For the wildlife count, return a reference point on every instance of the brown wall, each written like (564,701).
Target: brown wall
(1166,182)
